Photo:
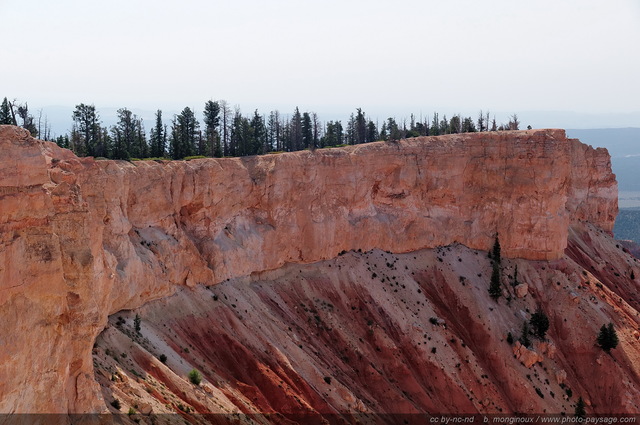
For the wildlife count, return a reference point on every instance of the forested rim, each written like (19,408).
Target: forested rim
(224,131)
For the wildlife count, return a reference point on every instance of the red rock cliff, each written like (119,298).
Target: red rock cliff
(82,239)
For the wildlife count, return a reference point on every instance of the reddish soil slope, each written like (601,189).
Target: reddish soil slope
(375,332)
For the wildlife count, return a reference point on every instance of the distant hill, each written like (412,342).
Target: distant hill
(620,142)
(627,225)
(627,172)
(623,145)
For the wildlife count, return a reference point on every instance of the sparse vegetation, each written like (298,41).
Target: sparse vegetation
(116,404)
(163,358)
(136,323)
(195,377)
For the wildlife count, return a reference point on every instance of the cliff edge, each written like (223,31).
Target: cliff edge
(82,239)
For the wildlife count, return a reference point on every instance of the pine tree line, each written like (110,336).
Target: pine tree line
(227,132)
(14,113)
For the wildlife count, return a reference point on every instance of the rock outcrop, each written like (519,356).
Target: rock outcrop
(81,239)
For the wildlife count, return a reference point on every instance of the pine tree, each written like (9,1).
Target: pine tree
(158,137)
(455,124)
(295,132)
(258,135)
(307,131)
(435,125)
(496,251)
(494,125)
(515,277)
(372,132)
(360,127)
(580,411)
(317,128)
(86,130)
(225,126)
(482,125)
(394,131)
(540,323)
(468,125)
(6,117)
(495,287)
(350,133)
(211,123)
(524,338)
(27,120)
(125,135)
(608,338)
(383,132)
(104,147)
(274,131)
(184,134)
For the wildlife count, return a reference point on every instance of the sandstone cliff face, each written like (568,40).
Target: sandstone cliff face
(81,239)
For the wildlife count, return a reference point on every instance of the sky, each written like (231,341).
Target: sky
(551,61)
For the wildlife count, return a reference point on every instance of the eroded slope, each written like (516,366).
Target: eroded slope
(375,332)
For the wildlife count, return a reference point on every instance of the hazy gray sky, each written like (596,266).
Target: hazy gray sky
(395,56)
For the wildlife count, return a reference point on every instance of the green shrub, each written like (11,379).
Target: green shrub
(163,358)
(116,404)
(509,338)
(195,377)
